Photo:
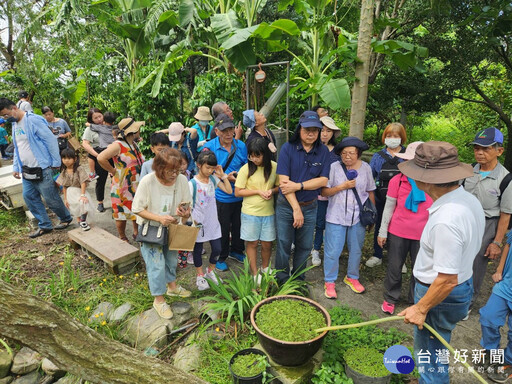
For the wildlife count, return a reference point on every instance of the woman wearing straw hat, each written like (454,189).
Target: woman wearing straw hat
(203,127)
(449,243)
(126,172)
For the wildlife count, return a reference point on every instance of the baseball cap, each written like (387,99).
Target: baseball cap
(310,119)
(2,121)
(223,122)
(175,131)
(488,137)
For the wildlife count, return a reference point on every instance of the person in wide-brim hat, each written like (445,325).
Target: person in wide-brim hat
(351,141)
(436,162)
(129,125)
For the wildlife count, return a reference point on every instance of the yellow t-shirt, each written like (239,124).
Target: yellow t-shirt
(256,205)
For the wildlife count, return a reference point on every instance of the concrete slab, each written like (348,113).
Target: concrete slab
(116,253)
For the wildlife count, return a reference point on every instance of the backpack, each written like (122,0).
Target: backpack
(387,172)
(503,185)
(194,190)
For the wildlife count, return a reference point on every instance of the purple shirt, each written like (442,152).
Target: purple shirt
(343,208)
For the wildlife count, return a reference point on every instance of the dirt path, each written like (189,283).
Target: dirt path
(465,336)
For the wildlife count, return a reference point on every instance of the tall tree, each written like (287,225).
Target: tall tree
(362,73)
(473,40)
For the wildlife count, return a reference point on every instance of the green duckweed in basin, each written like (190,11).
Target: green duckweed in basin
(290,320)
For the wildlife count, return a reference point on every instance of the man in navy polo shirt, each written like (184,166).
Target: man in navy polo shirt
(303,168)
(231,154)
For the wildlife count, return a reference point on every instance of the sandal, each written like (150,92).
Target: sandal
(125,239)
(63,224)
(40,232)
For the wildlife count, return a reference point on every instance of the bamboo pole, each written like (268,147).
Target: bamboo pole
(394,318)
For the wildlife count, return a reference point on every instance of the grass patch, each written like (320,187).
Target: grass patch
(215,355)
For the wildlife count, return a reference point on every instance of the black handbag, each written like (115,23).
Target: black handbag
(367,211)
(32,174)
(152,235)
(63,143)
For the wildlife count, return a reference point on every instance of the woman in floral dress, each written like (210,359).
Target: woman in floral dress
(126,172)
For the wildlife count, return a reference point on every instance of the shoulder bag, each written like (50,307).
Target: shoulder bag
(367,211)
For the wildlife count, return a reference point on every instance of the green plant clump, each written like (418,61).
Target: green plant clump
(289,320)
(248,365)
(367,361)
(337,343)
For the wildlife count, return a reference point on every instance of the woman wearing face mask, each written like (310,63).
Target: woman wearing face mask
(384,166)
(202,126)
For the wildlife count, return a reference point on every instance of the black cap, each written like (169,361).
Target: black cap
(223,122)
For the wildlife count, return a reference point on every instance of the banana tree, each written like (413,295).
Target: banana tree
(227,33)
(321,49)
(126,19)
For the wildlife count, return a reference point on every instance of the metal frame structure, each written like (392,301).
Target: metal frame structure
(247,85)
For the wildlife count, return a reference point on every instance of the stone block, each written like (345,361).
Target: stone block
(30,378)
(5,363)
(26,360)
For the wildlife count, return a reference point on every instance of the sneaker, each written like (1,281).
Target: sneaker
(354,284)
(92,176)
(315,255)
(84,226)
(500,373)
(266,270)
(203,252)
(257,279)
(404,269)
(179,291)
(387,307)
(221,266)
(101,207)
(465,318)
(163,310)
(237,256)
(373,262)
(201,283)
(190,258)
(212,276)
(330,291)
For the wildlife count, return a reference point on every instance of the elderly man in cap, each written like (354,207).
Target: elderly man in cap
(36,152)
(491,186)
(303,169)
(448,245)
(231,155)
(222,107)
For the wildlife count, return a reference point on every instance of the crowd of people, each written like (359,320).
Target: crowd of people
(450,218)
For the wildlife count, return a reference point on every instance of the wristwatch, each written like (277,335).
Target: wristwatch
(497,243)
(301,186)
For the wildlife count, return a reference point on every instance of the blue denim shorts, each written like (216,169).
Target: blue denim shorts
(255,228)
